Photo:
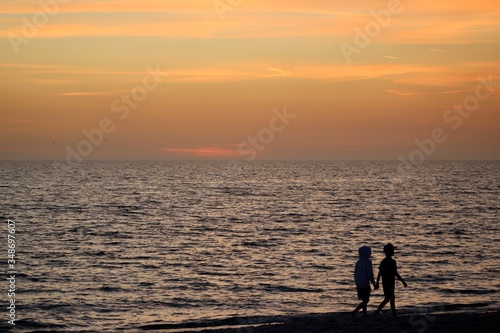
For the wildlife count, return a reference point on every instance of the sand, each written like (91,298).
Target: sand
(420,321)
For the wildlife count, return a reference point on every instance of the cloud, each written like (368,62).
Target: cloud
(444,75)
(63,69)
(462,22)
(277,72)
(415,93)
(87,93)
(203,152)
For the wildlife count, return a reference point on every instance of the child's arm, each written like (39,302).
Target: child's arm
(401,279)
(370,274)
(378,280)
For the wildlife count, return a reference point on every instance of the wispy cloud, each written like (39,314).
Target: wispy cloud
(203,151)
(261,19)
(415,93)
(445,75)
(66,69)
(277,72)
(87,93)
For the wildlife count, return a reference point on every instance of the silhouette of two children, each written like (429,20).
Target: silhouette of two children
(363,275)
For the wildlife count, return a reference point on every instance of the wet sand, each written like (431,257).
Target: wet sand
(420,321)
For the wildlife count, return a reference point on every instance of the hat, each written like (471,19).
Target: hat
(389,248)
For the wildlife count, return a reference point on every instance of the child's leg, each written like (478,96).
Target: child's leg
(364,295)
(381,306)
(359,307)
(393,304)
(365,303)
(367,300)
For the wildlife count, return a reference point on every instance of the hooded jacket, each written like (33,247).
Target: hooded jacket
(363,272)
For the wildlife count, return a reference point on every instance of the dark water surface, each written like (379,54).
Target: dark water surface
(137,243)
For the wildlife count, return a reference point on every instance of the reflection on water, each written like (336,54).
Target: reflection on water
(141,242)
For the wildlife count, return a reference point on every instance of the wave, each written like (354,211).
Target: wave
(110,289)
(469,291)
(286,289)
(234,322)
(32,324)
(262,243)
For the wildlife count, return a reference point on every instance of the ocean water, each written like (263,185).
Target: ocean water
(109,246)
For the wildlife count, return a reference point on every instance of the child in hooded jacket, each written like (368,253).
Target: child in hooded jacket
(363,275)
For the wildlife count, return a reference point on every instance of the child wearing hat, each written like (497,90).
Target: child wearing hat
(363,275)
(388,270)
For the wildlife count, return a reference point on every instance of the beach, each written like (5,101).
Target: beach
(421,321)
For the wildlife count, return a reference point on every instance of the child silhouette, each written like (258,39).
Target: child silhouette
(388,270)
(363,275)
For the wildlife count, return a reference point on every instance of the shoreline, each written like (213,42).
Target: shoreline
(423,320)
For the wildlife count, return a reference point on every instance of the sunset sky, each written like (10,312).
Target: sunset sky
(225,69)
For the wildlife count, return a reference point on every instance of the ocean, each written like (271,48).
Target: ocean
(108,246)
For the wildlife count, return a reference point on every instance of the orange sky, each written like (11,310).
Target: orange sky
(222,76)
